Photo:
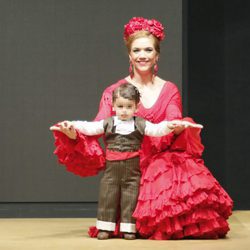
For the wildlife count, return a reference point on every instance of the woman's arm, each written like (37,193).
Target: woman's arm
(174,110)
(105,107)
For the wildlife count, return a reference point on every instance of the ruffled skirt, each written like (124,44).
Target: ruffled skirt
(179,198)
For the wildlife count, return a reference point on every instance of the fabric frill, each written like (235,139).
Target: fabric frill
(83,156)
(179,197)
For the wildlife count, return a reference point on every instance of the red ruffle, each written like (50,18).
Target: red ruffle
(189,140)
(83,156)
(93,231)
(179,198)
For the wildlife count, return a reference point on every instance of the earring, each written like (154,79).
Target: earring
(131,70)
(155,69)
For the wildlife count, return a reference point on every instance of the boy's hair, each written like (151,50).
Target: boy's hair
(127,91)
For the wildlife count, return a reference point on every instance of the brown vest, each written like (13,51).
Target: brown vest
(124,143)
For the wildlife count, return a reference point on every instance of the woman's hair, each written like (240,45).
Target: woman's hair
(127,91)
(140,34)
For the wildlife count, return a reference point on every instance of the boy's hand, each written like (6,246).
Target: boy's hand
(65,127)
(178,124)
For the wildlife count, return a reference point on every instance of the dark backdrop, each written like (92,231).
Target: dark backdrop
(219,88)
(57,56)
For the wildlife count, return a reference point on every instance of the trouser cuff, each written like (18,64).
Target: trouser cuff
(127,227)
(105,225)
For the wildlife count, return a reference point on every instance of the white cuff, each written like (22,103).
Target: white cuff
(127,227)
(105,225)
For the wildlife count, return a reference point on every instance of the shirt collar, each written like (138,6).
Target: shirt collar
(117,121)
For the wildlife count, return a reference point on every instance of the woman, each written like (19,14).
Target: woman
(179,197)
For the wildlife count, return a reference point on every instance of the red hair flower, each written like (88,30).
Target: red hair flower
(139,23)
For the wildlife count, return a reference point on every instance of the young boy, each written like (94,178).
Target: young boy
(123,135)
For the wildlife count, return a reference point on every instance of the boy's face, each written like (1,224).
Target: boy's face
(124,108)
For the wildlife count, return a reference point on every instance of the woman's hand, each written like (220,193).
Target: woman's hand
(178,126)
(65,127)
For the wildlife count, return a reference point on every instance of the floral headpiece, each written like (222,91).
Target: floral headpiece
(140,23)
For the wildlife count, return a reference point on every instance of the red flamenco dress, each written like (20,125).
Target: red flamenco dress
(179,197)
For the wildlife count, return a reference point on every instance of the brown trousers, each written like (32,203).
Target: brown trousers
(119,186)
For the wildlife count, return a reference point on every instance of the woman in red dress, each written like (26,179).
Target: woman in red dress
(179,197)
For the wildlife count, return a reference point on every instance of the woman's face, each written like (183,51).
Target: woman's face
(143,55)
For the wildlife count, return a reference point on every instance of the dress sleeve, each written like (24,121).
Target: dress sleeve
(189,140)
(84,156)
(174,107)
(105,107)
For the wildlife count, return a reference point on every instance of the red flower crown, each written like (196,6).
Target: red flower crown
(140,23)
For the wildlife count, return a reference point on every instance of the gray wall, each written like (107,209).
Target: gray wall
(57,56)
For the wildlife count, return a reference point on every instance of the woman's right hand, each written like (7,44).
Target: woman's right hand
(65,127)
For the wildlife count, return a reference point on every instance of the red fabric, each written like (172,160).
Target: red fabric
(117,156)
(179,197)
(83,156)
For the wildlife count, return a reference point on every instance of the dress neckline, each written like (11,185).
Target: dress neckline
(157,99)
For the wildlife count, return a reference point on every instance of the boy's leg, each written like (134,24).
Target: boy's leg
(109,196)
(129,195)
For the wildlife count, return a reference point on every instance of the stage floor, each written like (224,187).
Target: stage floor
(71,234)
